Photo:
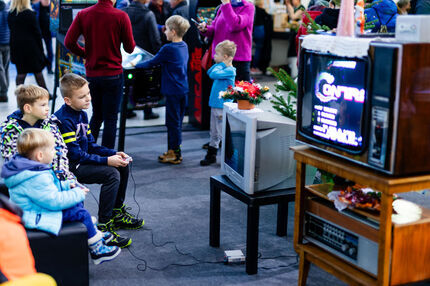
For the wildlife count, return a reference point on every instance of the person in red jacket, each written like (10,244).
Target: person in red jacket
(104,29)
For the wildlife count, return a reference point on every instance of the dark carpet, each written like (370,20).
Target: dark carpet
(173,246)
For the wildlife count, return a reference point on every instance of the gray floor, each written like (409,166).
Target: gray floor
(174,202)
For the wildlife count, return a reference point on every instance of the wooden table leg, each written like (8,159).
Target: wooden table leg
(304,266)
(385,228)
(252,239)
(214,223)
(299,204)
(281,225)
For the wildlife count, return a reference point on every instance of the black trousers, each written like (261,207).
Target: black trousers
(114,185)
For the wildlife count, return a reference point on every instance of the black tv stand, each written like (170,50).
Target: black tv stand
(281,197)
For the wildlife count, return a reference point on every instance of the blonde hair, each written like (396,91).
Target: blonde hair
(71,82)
(32,139)
(227,48)
(29,94)
(20,5)
(178,24)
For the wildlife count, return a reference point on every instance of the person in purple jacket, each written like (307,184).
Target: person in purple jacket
(234,22)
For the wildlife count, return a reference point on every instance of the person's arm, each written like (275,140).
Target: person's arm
(71,39)
(46,194)
(127,35)
(8,144)
(76,154)
(97,149)
(238,22)
(35,27)
(153,35)
(219,71)
(295,16)
(158,59)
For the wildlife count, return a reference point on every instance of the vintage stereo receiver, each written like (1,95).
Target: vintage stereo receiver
(342,242)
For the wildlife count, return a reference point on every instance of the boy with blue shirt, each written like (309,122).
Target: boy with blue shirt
(223,74)
(92,163)
(173,58)
(46,201)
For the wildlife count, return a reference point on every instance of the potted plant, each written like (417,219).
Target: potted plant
(247,94)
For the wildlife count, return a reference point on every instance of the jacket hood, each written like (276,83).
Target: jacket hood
(19,164)
(17,114)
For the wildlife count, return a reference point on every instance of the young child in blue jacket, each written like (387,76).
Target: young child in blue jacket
(46,201)
(173,58)
(223,74)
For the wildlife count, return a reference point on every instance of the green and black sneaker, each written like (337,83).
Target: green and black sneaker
(117,240)
(124,220)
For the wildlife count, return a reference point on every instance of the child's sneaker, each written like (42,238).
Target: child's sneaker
(123,219)
(171,157)
(100,252)
(117,240)
(106,235)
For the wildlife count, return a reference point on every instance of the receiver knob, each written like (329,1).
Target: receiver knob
(345,247)
(352,251)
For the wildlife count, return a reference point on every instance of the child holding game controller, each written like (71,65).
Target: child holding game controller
(92,163)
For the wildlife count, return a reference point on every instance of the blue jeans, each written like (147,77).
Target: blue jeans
(258,37)
(78,213)
(175,111)
(242,70)
(106,94)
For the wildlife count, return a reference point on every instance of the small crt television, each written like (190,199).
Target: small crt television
(255,149)
(372,110)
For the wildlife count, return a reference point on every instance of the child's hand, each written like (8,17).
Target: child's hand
(125,157)
(86,190)
(116,161)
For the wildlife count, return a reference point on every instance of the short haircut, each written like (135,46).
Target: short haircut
(403,3)
(71,82)
(33,138)
(178,24)
(29,94)
(227,48)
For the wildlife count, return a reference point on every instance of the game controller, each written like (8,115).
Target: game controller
(128,159)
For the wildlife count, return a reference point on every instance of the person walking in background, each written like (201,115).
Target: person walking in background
(234,22)
(26,48)
(181,8)
(146,36)
(42,8)
(4,51)
(161,11)
(104,29)
(403,6)
(263,26)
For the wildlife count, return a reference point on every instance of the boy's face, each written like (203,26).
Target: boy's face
(80,99)
(220,56)
(39,109)
(169,33)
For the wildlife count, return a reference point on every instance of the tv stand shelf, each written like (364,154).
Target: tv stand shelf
(403,250)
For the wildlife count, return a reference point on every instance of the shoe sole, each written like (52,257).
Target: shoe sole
(106,258)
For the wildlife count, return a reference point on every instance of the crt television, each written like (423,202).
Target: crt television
(372,110)
(255,151)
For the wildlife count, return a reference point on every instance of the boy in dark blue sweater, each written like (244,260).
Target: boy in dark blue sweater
(173,58)
(92,163)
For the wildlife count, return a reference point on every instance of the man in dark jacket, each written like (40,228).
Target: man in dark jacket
(181,8)
(4,51)
(161,11)
(146,35)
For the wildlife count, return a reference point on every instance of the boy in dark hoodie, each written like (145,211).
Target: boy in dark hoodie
(46,201)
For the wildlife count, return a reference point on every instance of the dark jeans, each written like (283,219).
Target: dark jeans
(258,37)
(242,70)
(106,93)
(47,38)
(114,185)
(4,69)
(78,213)
(175,111)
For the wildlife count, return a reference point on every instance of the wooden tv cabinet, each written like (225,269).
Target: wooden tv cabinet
(403,249)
